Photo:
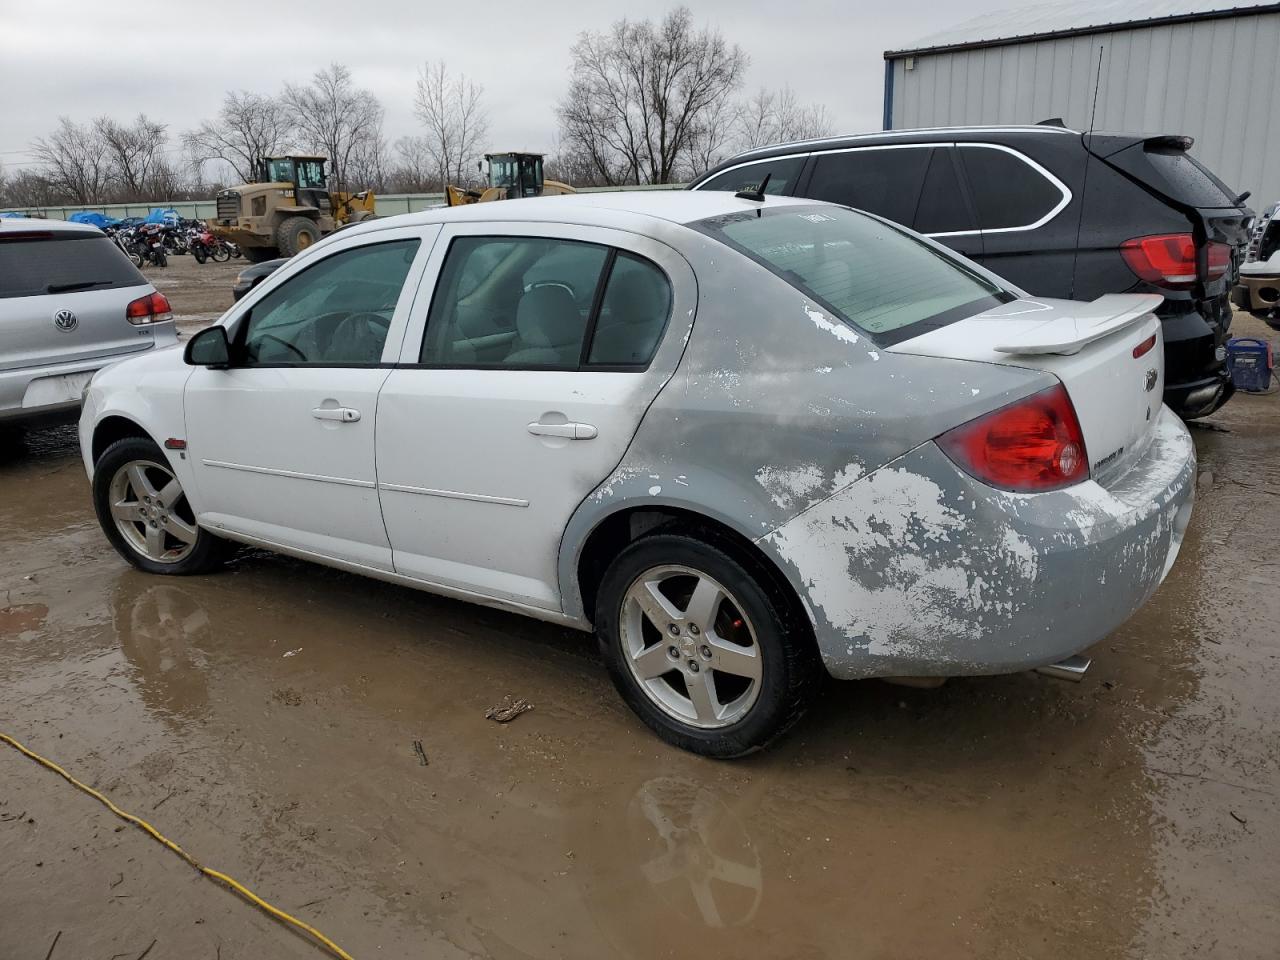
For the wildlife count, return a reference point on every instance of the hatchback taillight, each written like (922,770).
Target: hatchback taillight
(1169,259)
(153,308)
(1030,446)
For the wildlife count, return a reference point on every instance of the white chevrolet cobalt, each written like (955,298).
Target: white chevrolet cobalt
(745,439)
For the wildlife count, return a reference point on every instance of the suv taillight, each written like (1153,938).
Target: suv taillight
(1030,446)
(153,308)
(1169,259)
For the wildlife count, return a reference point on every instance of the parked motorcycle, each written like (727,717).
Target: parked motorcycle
(205,246)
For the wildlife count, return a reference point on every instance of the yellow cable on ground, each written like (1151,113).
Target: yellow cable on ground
(155,834)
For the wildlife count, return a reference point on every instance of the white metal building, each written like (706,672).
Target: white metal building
(1206,68)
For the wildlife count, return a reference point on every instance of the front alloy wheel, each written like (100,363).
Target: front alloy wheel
(145,513)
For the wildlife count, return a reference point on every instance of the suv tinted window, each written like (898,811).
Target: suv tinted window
(943,208)
(63,262)
(782,172)
(884,181)
(1185,180)
(873,275)
(336,312)
(530,310)
(1007,191)
(633,313)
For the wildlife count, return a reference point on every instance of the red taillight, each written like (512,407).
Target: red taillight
(1144,347)
(1030,446)
(153,308)
(1219,260)
(1169,260)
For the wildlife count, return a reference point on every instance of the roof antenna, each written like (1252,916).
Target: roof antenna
(1088,159)
(758,193)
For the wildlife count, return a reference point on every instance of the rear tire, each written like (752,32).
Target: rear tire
(721,677)
(294,234)
(145,514)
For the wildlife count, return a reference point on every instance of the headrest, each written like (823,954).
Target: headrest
(548,317)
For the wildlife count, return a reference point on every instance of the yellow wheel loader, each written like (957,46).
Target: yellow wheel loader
(511,176)
(288,208)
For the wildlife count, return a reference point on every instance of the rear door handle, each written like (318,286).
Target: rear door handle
(341,414)
(570,431)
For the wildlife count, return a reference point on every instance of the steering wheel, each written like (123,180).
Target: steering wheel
(284,343)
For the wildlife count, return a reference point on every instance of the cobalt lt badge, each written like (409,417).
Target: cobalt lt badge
(65,320)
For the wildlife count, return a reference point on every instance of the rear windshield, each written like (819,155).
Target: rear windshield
(63,263)
(1181,177)
(876,277)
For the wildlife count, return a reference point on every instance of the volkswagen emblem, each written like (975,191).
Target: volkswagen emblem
(1152,377)
(65,320)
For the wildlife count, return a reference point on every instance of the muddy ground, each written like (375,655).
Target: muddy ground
(265,718)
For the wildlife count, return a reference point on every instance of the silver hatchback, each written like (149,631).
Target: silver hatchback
(70,303)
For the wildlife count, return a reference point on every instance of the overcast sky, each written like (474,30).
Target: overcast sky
(174,60)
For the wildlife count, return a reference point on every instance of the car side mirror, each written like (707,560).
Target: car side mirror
(208,348)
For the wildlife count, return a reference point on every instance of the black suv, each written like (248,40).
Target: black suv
(1057,212)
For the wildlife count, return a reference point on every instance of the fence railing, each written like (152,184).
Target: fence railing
(388,204)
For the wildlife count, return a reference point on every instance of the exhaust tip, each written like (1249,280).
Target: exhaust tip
(1072,668)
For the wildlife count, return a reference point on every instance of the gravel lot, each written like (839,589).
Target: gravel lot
(265,718)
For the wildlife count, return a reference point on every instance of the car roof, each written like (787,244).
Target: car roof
(625,209)
(1005,131)
(33,224)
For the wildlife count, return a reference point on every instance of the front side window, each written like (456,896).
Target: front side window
(335,313)
(782,172)
(876,277)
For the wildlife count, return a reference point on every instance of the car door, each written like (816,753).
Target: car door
(518,393)
(282,441)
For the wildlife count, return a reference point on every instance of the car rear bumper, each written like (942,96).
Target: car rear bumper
(920,570)
(49,395)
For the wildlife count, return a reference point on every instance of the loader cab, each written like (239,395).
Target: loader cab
(518,174)
(307,174)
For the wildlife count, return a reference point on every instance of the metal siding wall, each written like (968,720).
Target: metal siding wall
(1215,80)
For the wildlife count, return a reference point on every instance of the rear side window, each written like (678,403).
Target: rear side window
(885,181)
(782,172)
(876,277)
(633,314)
(1007,190)
(943,208)
(63,263)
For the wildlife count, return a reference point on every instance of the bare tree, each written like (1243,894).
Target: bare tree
(714,139)
(639,95)
(777,116)
(414,169)
(248,126)
(367,165)
(136,155)
(332,116)
(452,110)
(75,161)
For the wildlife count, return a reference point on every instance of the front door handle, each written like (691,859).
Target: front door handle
(341,414)
(570,431)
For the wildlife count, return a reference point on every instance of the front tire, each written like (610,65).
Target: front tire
(145,514)
(294,234)
(703,644)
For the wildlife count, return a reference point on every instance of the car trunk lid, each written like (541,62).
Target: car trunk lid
(1108,354)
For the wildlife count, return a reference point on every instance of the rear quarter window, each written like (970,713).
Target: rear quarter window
(1008,192)
(782,172)
(69,262)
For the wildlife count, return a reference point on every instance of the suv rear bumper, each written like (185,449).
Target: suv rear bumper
(1197,381)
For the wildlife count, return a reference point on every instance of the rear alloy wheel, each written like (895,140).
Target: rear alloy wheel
(145,514)
(703,647)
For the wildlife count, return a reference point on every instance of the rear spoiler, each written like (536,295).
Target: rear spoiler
(1068,334)
(1105,145)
